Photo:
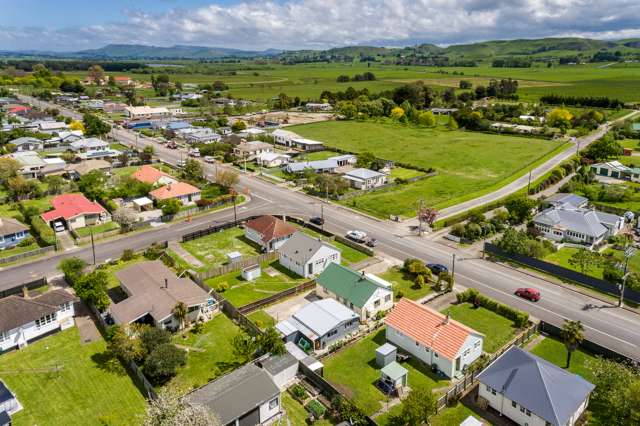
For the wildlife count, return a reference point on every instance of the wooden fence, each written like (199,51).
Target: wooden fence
(254,306)
(96,237)
(30,253)
(236,266)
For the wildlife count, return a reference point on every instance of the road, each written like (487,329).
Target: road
(608,326)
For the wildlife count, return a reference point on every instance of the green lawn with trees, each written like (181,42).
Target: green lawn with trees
(404,285)
(497,329)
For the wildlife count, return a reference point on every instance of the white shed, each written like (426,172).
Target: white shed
(252,272)
(234,256)
(386,354)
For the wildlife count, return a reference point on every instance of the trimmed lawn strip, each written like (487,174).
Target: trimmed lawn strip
(262,319)
(18,250)
(242,292)
(213,356)
(353,370)
(497,329)
(104,227)
(91,388)
(401,284)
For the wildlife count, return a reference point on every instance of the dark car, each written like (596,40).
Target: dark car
(528,293)
(437,268)
(372,242)
(317,220)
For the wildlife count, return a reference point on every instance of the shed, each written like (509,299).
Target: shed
(471,421)
(234,256)
(143,203)
(282,369)
(250,273)
(394,376)
(386,354)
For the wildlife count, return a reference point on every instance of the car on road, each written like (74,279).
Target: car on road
(209,159)
(194,152)
(437,268)
(317,220)
(180,164)
(528,293)
(172,145)
(357,236)
(371,242)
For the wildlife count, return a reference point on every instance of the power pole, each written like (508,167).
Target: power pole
(453,267)
(420,208)
(529,185)
(235,213)
(629,252)
(322,215)
(93,246)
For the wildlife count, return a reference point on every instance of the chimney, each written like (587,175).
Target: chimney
(166,283)
(25,292)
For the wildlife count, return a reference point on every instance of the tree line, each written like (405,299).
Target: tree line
(592,101)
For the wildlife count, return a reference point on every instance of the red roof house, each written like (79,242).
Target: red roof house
(76,211)
(151,175)
(21,109)
(269,232)
(433,337)
(181,191)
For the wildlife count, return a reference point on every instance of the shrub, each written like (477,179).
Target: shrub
(298,392)
(222,287)
(127,255)
(472,295)
(163,362)
(399,295)
(42,231)
(316,408)
(26,242)
(154,251)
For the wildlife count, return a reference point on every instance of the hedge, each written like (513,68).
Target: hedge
(472,296)
(42,231)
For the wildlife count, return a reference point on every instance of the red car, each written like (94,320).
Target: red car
(528,293)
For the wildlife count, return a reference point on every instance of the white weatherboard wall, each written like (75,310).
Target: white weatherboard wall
(22,335)
(266,413)
(380,301)
(319,261)
(285,377)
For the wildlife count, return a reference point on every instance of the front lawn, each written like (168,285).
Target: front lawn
(18,249)
(211,353)
(354,372)
(348,254)
(497,329)
(317,155)
(554,351)
(242,292)
(212,249)
(87,390)
(403,286)
(98,229)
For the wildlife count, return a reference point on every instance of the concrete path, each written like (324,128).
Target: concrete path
(533,343)
(185,255)
(86,327)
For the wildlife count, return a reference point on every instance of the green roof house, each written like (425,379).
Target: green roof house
(365,294)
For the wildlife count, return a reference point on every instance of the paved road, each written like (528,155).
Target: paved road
(608,326)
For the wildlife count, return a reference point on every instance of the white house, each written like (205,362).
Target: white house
(365,178)
(272,159)
(366,295)
(252,149)
(88,145)
(27,144)
(318,107)
(432,337)
(269,232)
(9,404)
(533,392)
(283,137)
(577,225)
(24,318)
(146,112)
(31,165)
(307,256)
(614,169)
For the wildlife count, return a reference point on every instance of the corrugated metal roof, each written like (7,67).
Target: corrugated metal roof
(350,285)
(322,316)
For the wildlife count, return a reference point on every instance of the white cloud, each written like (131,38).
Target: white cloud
(296,24)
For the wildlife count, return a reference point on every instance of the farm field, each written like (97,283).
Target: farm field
(467,163)
(90,388)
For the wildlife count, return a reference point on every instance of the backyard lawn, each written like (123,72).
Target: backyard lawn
(296,413)
(87,390)
(354,372)
(212,249)
(212,353)
(497,329)
(262,319)
(403,285)
(468,163)
(242,292)
(10,209)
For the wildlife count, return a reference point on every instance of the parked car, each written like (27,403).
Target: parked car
(372,242)
(58,226)
(180,164)
(209,159)
(317,220)
(437,268)
(528,293)
(194,152)
(172,145)
(357,236)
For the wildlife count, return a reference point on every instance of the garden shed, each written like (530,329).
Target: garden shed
(386,354)
(392,377)
(252,272)
(234,256)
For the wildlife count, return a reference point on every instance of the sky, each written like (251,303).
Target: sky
(71,25)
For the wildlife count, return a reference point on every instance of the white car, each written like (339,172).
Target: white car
(209,159)
(58,226)
(195,152)
(357,236)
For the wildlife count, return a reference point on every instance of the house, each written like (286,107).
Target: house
(113,107)
(75,211)
(31,164)
(146,112)
(366,295)
(345,160)
(531,391)
(27,144)
(614,169)
(64,138)
(123,80)
(432,337)
(318,107)
(304,144)
(307,256)
(225,130)
(272,159)
(177,125)
(246,396)
(269,232)
(319,324)
(54,166)
(365,178)
(185,193)
(567,200)
(151,175)
(12,232)
(251,131)
(201,135)
(251,149)
(153,290)
(318,166)
(283,137)
(577,225)
(88,145)
(52,126)
(9,405)
(80,169)
(443,111)
(25,318)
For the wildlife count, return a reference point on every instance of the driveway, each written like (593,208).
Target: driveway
(285,309)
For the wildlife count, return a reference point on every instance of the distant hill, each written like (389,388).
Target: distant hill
(137,51)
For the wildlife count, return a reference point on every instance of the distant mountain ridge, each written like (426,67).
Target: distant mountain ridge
(138,51)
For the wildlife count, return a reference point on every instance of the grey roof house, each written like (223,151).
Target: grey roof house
(530,390)
(567,200)
(576,225)
(319,166)
(365,178)
(27,143)
(12,232)
(9,404)
(246,396)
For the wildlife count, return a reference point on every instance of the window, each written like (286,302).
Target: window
(488,388)
(476,345)
(4,336)
(513,404)
(435,354)
(65,307)
(273,403)
(493,391)
(47,319)
(521,409)
(528,413)
(466,352)
(387,298)
(376,303)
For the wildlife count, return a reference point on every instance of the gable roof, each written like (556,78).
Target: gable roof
(237,393)
(567,198)
(88,166)
(613,165)
(26,140)
(566,217)
(173,190)
(16,311)
(149,174)
(320,317)
(348,284)
(429,327)
(88,143)
(363,174)
(271,227)
(10,226)
(149,293)
(543,388)
(315,165)
(28,159)
(301,247)
(69,206)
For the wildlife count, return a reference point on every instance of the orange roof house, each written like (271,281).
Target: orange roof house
(433,337)
(181,191)
(151,175)
(269,232)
